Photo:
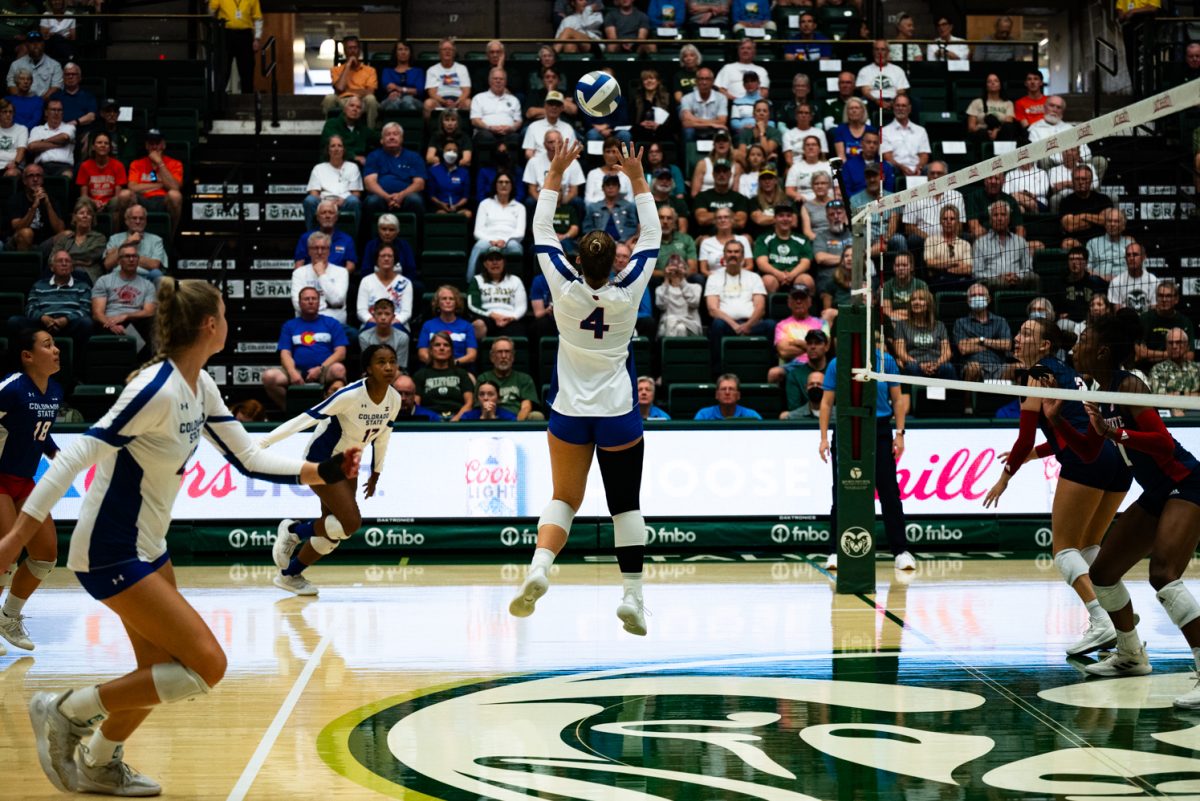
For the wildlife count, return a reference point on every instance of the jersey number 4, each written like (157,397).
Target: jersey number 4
(594,322)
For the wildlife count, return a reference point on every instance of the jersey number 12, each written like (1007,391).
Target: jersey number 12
(594,322)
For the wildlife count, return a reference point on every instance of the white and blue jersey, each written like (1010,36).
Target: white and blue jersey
(26,417)
(594,373)
(140,449)
(347,418)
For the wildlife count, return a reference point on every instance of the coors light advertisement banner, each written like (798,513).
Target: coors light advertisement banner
(459,472)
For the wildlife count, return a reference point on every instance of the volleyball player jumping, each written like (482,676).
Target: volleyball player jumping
(593,394)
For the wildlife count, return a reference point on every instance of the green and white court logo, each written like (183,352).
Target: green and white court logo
(779,729)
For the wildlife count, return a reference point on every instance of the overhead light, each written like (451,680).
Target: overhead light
(1043,43)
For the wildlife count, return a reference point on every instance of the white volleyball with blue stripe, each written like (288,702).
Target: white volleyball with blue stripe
(597,94)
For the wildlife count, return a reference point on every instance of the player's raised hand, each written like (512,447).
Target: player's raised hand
(565,156)
(631,163)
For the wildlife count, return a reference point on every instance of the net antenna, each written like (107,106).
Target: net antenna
(1166,103)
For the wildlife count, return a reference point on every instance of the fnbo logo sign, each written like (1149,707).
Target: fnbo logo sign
(780,730)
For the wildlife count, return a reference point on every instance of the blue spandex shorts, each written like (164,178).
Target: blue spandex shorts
(1155,499)
(1108,472)
(605,432)
(106,582)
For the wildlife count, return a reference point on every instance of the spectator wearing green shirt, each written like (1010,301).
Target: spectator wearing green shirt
(675,243)
(782,258)
(898,290)
(353,130)
(517,392)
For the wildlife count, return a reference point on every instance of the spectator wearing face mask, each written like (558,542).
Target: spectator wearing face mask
(449,187)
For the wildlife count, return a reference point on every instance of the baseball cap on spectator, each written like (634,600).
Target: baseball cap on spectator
(34,36)
(611,179)
(722,164)
(155,135)
(768,170)
(493,251)
(662,172)
(799,289)
(816,335)
(554,97)
(110,103)
(721,134)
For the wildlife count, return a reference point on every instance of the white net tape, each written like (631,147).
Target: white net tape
(1166,103)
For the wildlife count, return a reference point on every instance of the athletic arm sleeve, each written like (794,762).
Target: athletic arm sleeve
(636,274)
(1086,444)
(226,432)
(294,426)
(79,456)
(1044,450)
(553,262)
(1025,438)
(1151,435)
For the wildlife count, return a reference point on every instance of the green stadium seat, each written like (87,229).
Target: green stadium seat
(12,304)
(302,397)
(547,358)
(109,359)
(442,267)
(93,400)
(640,347)
(19,270)
(1010,303)
(685,360)
(66,361)
(447,232)
(766,399)
(749,358)
(777,306)
(951,306)
(684,400)
(921,405)
(986,404)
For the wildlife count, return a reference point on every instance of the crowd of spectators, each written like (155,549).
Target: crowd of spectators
(755,221)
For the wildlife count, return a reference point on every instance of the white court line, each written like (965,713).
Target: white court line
(268,741)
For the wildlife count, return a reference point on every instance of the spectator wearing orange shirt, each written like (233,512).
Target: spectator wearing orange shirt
(353,78)
(102,178)
(156,180)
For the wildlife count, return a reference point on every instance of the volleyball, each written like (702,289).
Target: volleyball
(597,94)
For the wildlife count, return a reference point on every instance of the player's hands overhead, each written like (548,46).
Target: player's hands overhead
(631,163)
(565,155)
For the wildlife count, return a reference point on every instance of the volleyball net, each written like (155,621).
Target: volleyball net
(1094,217)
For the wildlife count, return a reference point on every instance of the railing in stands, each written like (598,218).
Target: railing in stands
(268,70)
(1102,46)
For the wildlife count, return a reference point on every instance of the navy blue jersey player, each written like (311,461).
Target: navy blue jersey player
(1088,493)
(1163,523)
(29,403)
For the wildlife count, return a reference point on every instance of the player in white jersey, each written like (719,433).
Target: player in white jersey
(358,414)
(119,550)
(593,394)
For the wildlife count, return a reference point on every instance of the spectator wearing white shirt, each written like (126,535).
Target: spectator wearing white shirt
(499,222)
(496,114)
(1052,123)
(946,46)
(53,144)
(47,73)
(1106,254)
(14,138)
(537,167)
(331,281)
(577,30)
(798,184)
(922,218)
(793,138)
(594,190)
(1136,286)
(447,83)
(881,81)
(1029,185)
(535,135)
(730,81)
(905,145)
(736,299)
(336,180)
(385,282)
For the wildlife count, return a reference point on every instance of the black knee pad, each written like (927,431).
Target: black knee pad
(622,474)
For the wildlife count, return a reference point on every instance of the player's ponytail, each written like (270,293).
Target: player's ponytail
(183,307)
(596,253)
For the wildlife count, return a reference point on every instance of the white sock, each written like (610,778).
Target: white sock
(83,706)
(100,749)
(1128,642)
(1096,611)
(13,605)
(632,582)
(543,560)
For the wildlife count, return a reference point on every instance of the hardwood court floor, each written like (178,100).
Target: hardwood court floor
(756,681)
